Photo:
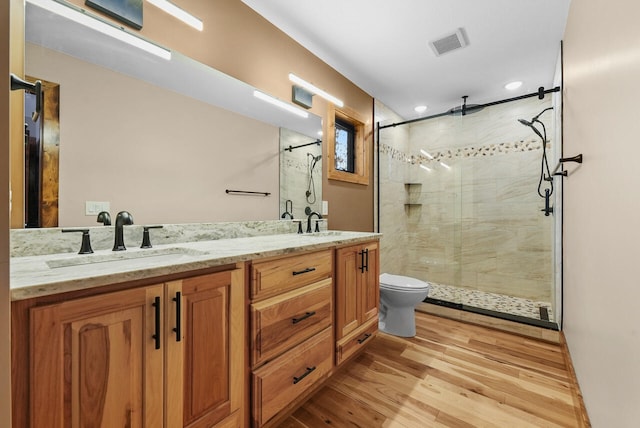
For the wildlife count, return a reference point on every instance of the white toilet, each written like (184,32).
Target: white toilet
(399,295)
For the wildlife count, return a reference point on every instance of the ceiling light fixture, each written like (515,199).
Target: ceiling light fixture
(512,86)
(420,109)
(426,154)
(178,13)
(286,106)
(82,17)
(314,89)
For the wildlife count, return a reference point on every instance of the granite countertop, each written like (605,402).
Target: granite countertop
(42,275)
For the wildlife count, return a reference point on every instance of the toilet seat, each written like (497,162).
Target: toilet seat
(402,283)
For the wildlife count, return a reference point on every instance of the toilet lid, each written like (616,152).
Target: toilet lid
(400,282)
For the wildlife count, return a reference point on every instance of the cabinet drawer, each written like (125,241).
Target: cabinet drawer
(281,322)
(281,381)
(287,273)
(356,340)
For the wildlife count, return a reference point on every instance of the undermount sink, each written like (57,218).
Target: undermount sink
(155,254)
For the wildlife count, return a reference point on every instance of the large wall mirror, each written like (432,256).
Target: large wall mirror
(163,139)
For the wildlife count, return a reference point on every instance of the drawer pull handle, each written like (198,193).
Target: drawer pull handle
(156,336)
(366,336)
(303,375)
(304,317)
(303,271)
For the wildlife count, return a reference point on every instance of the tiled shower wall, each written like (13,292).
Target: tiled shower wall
(476,224)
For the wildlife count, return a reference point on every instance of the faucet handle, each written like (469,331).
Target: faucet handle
(85,248)
(146,239)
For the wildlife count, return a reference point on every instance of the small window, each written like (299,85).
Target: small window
(345,139)
(348,139)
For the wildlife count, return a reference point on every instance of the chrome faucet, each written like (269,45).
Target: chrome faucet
(123,218)
(309,221)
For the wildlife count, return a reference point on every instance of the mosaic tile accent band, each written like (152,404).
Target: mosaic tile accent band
(464,152)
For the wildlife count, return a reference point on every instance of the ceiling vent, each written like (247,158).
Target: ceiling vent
(449,43)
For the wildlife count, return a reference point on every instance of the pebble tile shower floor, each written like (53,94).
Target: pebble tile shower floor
(490,301)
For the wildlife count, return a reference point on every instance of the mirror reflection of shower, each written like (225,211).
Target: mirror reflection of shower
(301,170)
(311,186)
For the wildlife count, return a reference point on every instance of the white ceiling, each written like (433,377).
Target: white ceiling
(382,46)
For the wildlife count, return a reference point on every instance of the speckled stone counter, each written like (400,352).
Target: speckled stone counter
(41,275)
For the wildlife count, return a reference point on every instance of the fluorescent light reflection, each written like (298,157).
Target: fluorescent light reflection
(314,89)
(82,17)
(426,168)
(445,165)
(426,154)
(178,13)
(276,102)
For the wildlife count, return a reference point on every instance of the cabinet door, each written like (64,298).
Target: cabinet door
(209,357)
(370,289)
(348,263)
(95,362)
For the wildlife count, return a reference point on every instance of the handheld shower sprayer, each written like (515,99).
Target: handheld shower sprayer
(544,167)
(311,188)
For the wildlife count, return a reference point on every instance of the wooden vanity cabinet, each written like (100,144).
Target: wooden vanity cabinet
(167,355)
(357,297)
(291,314)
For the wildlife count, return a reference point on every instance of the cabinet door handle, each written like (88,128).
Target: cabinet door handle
(304,317)
(362,266)
(366,255)
(311,269)
(303,375)
(178,327)
(365,337)
(156,336)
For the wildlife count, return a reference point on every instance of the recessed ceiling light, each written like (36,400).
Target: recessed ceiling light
(513,85)
(420,109)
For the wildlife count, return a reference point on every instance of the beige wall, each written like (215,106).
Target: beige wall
(239,42)
(601,228)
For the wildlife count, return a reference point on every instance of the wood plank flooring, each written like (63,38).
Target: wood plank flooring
(452,374)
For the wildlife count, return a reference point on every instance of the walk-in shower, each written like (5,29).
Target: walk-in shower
(459,206)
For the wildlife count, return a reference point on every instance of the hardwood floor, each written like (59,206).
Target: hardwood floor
(451,374)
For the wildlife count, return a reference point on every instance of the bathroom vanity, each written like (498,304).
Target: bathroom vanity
(226,333)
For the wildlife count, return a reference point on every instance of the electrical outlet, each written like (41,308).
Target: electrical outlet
(95,207)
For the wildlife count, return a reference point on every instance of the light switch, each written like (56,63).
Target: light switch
(95,207)
(325,207)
